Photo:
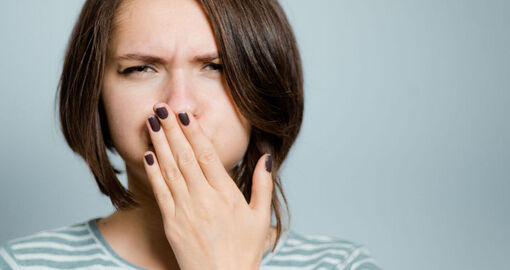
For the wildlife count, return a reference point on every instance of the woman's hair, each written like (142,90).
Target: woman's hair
(262,68)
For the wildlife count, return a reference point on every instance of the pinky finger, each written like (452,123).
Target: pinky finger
(161,191)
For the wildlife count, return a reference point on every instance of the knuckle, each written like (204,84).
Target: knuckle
(185,215)
(205,211)
(228,200)
(207,157)
(204,208)
(175,233)
(169,128)
(194,130)
(185,158)
(231,206)
(165,197)
(172,173)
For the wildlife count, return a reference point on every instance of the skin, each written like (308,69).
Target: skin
(175,31)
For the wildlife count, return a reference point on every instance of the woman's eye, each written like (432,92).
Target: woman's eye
(146,69)
(218,67)
(136,69)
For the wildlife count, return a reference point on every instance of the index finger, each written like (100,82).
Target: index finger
(206,154)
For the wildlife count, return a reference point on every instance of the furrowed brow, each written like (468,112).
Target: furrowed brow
(206,57)
(155,59)
(143,58)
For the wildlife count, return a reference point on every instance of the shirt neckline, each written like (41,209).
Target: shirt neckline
(93,227)
(97,233)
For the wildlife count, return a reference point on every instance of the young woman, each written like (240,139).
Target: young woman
(203,101)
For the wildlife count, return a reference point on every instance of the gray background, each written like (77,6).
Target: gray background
(405,143)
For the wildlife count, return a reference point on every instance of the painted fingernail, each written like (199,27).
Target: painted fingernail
(149,158)
(184,118)
(269,163)
(162,112)
(154,122)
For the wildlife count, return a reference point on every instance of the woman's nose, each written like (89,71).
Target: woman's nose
(179,94)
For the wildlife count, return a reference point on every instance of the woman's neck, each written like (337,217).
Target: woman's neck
(137,234)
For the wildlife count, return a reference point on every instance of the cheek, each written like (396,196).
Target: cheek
(117,125)
(231,138)
(126,124)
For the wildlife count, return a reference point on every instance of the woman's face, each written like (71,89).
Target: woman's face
(158,53)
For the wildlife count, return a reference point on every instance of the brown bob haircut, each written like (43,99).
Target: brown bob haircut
(262,68)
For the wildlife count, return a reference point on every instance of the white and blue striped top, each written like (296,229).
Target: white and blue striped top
(81,246)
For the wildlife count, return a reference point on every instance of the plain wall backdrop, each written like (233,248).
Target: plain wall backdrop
(405,145)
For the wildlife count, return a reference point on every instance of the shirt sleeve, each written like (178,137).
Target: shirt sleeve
(360,259)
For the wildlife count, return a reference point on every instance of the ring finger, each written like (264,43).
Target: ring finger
(167,164)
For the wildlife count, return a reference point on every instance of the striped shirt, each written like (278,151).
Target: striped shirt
(81,246)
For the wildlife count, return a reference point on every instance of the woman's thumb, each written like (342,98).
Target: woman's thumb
(262,187)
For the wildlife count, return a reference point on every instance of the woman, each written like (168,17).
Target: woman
(203,101)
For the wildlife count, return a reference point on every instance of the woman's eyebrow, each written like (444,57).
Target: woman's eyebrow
(155,59)
(206,57)
(143,58)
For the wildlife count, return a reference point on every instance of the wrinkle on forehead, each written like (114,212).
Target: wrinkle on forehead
(170,29)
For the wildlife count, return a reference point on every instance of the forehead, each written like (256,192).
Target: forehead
(164,26)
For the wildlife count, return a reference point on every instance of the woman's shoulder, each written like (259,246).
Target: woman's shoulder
(312,251)
(66,247)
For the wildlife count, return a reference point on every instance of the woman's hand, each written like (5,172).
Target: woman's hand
(206,218)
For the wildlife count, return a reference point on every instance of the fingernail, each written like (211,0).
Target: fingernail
(269,163)
(149,158)
(162,112)
(184,118)
(154,122)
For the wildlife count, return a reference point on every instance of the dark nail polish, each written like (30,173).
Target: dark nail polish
(149,158)
(269,163)
(184,118)
(154,122)
(162,112)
